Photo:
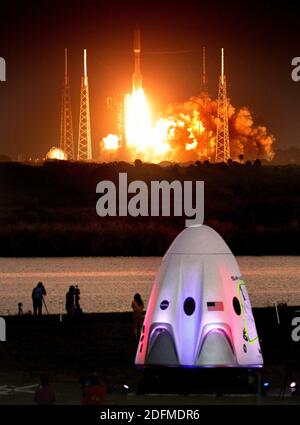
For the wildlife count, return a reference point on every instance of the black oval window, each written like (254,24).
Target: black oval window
(236,306)
(189,306)
(164,304)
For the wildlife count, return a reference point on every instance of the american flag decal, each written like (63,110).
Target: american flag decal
(215,306)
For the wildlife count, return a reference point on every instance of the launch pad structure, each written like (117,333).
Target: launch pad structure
(120,102)
(222,137)
(221,152)
(66,128)
(84,137)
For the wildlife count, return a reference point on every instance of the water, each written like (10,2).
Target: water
(107,284)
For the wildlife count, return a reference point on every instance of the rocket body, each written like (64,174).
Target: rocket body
(137,75)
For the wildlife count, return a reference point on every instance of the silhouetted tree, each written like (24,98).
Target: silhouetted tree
(257,163)
(137,163)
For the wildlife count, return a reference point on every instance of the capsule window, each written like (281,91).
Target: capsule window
(189,306)
(164,304)
(236,306)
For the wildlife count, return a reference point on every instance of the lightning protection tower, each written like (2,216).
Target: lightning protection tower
(66,125)
(222,141)
(84,139)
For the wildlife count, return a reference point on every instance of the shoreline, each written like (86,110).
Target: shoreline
(99,314)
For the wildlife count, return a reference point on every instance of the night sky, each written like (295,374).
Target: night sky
(260,40)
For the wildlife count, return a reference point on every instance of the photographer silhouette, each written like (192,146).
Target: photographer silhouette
(77,308)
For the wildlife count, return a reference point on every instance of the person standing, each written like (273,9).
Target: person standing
(37,298)
(70,300)
(20,309)
(77,308)
(138,317)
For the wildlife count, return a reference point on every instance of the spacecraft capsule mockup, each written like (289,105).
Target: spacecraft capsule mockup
(199,313)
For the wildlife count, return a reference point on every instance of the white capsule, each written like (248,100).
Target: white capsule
(199,313)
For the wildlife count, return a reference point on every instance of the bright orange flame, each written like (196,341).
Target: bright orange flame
(111,142)
(154,142)
(160,134)
(147,141)
(56,153)
(138,122)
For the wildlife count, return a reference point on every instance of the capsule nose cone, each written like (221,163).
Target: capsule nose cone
(216,350)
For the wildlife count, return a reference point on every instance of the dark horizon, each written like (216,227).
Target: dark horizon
(260,41)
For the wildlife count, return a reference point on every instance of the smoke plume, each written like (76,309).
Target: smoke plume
(246,138)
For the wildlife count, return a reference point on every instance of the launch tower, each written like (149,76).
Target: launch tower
(222,140)
(66,126)
(84,139)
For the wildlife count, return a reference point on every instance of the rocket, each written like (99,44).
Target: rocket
(137,75)
(199,313)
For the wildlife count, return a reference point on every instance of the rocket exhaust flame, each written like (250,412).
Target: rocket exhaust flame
(138,121)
